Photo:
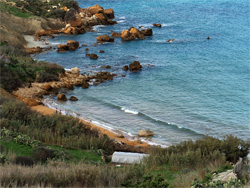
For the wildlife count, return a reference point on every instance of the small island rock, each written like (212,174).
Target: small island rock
(145,133)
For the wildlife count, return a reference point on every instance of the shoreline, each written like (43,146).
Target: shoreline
(126,143)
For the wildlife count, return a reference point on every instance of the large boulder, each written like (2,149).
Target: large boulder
(77,22)
(147,32)
(135,66)
(95,9)
(136,33)
(47,87)
(62,47)
(72,45)
(125,68)
(75,70)
(145,133)
(125,35)
(104,38)
(109,13)
(61,97)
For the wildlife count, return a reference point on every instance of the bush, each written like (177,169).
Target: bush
(57,13)
(70,15)
(24,161)
(42,154)
(46,77)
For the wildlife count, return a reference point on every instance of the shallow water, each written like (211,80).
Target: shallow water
(195,86)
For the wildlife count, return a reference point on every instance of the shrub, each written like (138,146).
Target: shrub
(57,13)
(24,161)
(70,15)
(42,154)
(46,77)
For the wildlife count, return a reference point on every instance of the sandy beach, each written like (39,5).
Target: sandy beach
(48,111)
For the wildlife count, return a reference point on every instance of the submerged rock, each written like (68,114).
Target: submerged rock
(73,98)
(104,38)
(156,24)
(135,66)
(93,56)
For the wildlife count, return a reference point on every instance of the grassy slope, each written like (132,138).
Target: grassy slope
(5,7)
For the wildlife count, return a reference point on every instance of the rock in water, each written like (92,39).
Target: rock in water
(157,25)
(145,133)
(135,66)
(104,38)
(72,45)
(73,98)
(75,70)
(93,56)
(61,97)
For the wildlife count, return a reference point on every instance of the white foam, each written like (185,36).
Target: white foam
(121,21)
(129,111)
(122,18)
(67,69)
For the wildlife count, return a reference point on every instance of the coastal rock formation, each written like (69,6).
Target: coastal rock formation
(116,35)
(104,38)
(147,32)
(72,45)
(30,102)
(135,66)
(125,68)
(75,70)
(47,87)
(145,133)
(62,48)
(95,9)
(134,33)
(93,56)
(109,13)
(69,86)
(34,50)
(61,97)
(156,25)
(73,98)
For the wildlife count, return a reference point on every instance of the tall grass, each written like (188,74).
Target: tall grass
(59,130)
(61,174)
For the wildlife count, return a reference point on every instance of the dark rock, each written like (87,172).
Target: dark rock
(125,68)
(69,86)
(93,56)
(72,45)
(157,25)
(61,97)
(86,49)
(87,55)
(101,51)
(62,47)
(135,66)
(104,38)
(147,32)
(85,85)
(208,38)
(106,67)
(73,98)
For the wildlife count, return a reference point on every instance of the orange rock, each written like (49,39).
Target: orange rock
(61,97)
(72,45)
(109,13)
(95,9)
(30,102)
(101,17)
(77,22)
(104,38)
(47,87)
(62,47)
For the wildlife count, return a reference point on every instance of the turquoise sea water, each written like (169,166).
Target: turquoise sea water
(195,87)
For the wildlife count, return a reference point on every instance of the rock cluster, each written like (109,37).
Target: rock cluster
(70,46)
(134,67)
(104,38)
(133,33)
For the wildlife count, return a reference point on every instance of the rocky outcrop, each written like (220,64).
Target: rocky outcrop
(61,97)
(75,70)
(104,38)
(125,68)
(147,32)
(156,24)
(62,48)
(93,56)
(73,98)
(109,13)
(145,133)
(134,33)
(47,87)
(72,45)
(135,66)
(30,102)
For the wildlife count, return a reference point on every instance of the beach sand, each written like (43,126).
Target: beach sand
(48,111)
(31,43)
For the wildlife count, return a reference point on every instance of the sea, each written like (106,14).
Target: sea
(187,89)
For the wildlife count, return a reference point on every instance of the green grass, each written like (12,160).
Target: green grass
(5,7)
(18,149)
(74,155)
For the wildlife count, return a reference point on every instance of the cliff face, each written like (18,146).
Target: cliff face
(13,28)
